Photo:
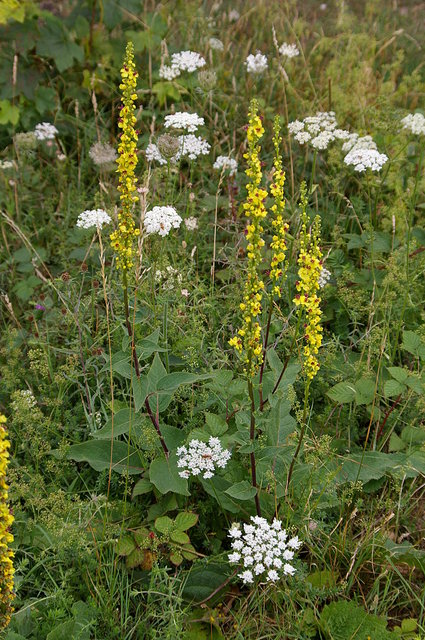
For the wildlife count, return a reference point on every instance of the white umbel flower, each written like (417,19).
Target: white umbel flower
(355,142)
(153,154)
(225,162)
(264,547)
(362,159)
(256,64)
(216,44)
(161,220)
(45,131)
(289,50)
(93,218)
(202,458)
(167,72)
(319,130)
(191,223)
(187,61)
(6,164)
(181,120)
(415,123)
(324,277)
(191,147)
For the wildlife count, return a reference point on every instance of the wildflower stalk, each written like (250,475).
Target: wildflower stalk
(6,520)
(308,302)
(278,244)
(248,341)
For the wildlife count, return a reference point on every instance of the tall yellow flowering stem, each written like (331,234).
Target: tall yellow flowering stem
(248,341)
(122,239)
(308,302)
(6,520)
(278,244)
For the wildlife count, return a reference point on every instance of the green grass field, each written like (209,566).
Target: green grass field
(212,318)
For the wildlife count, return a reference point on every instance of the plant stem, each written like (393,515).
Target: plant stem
(300,439)
(252,454)
(128,325)
(266,340)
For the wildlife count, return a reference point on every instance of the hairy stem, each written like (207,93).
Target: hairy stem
(252,454)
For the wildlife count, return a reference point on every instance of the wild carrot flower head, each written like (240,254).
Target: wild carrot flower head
(248,341)
(280,227)
(45,131)
(6,521)
(227,163)
(415,123)
(263,550)
(319,130)
(289,50)
(202,458)
(256,64)
(122,239)
(93,218)
(161,220)
(309,271)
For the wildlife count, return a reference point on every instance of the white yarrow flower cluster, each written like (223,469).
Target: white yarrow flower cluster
(6,164)
(202,458)
(181,120)
(319,130)
(289,50)
(45,131)
(263,550)
(324,277)
(225,162)
(167,72)
(93,218)
(256,64)
(362,159)
(188,61)
(191,223)
(355,142)
(415,123)
(161,220)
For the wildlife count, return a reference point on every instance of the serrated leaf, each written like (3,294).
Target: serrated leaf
(393,388)
(396,443)
(215,425)
(180,537)
(164,524)
(185,520)
(413,344)
(398,373)
(342,393)
(176,558)
(125,546)
(140,535)
(55,42)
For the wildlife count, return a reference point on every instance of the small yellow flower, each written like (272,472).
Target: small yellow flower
(6,521)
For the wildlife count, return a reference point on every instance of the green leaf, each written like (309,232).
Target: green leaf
(365,391)
(123,421)
(125,546)
(342,393)
(185,520)
(180,537)
(45,99)
(396,443)
(215,425)
(176,558)
(140,535)
(242,491)
(121,364)
(415,384)
(189,552)
(97,453)
(413,435)
(141,487)
(164,524)
(393,388)
(164,474)
(55,42)
(413,344)
(172,381)
(398,373)
(322,579)
(135,558)
(8,113)
(371,465)
(202,581)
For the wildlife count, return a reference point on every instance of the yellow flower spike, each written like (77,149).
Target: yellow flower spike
(6,521)
(251,346)
(280,227)
(123,237)
(309,270)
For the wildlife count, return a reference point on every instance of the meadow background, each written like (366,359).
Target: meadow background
(110,541)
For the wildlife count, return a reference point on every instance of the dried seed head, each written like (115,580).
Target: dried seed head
(168,145)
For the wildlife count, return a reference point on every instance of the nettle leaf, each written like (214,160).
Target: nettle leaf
(185,520)
(398,373)
(164,474)
(242,491)
(105,454)
(342,392)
